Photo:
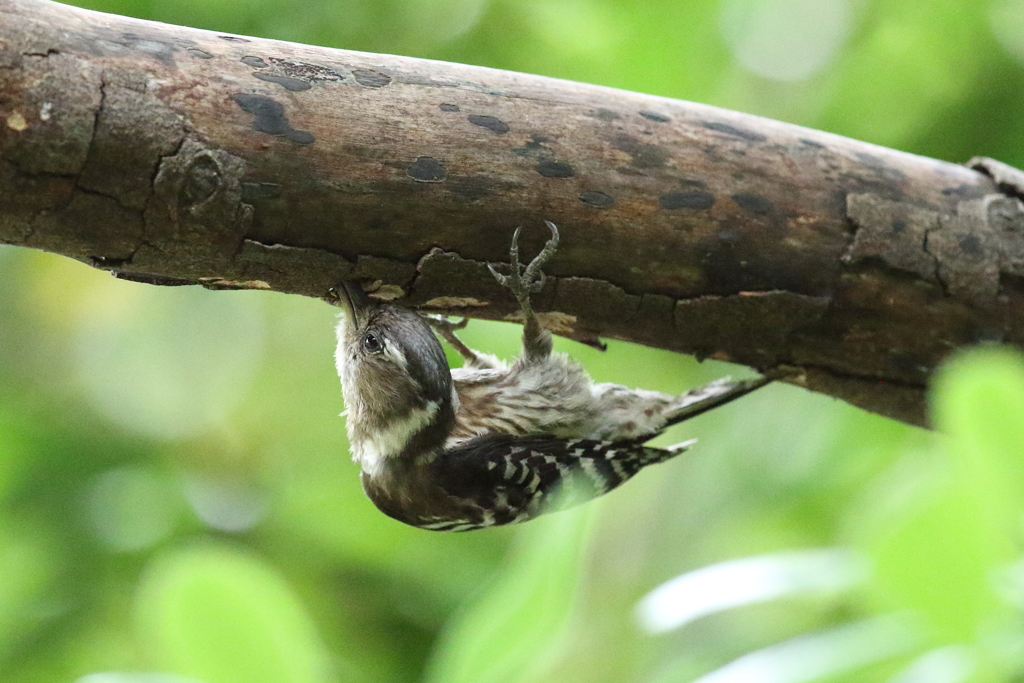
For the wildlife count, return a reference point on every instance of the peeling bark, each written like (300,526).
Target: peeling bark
(173,155)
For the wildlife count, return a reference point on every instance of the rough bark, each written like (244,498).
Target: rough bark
(175,155)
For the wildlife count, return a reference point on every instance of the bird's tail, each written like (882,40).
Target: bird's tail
(677,448)
(654,454)
(712,395)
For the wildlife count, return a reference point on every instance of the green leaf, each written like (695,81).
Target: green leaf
(222,616)
(936,551)
(28,561)
(512,630)
(936,559)
(979,403)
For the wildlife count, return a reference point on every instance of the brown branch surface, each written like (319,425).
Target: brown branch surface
(171,155)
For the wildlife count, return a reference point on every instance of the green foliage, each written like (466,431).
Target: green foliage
(177,504)
(221,616)
(512,631)
(936,553)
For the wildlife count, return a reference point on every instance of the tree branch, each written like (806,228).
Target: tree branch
(176,155)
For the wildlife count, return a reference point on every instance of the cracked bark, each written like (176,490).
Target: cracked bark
(177,156)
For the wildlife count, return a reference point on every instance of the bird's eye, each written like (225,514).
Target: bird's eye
(372,343)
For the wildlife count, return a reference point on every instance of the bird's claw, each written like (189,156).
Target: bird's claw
(529,280)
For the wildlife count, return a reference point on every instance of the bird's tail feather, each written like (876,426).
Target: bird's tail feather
(712,395)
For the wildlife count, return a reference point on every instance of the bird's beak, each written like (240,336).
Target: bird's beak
(353,301)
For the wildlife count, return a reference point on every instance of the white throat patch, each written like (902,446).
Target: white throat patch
(372,453)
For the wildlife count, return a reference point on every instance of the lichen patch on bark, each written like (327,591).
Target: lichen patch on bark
(966,251)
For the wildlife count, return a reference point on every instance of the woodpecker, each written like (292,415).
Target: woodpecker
(490,443)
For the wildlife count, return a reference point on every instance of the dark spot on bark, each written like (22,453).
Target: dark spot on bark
(234,39)
(270,118)
(603,115)
(489,122)
(300,137)
(971,245)
(307,72)
(812,143)
(371,78)
(687,200)
(741,133)
(692,182)
(554,169)
(596,199)
(290,84)
(899,226)
(254,61)
(202,178)
(426,170)
(754,203)
(201,54)
(535,145)
(654,116)
(449,107)
(643,155)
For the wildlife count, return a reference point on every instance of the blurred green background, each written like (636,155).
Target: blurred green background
(177,504)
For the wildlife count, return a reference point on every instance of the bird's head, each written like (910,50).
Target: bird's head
(394,377)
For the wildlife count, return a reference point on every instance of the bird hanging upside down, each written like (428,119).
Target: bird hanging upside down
(489,443)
